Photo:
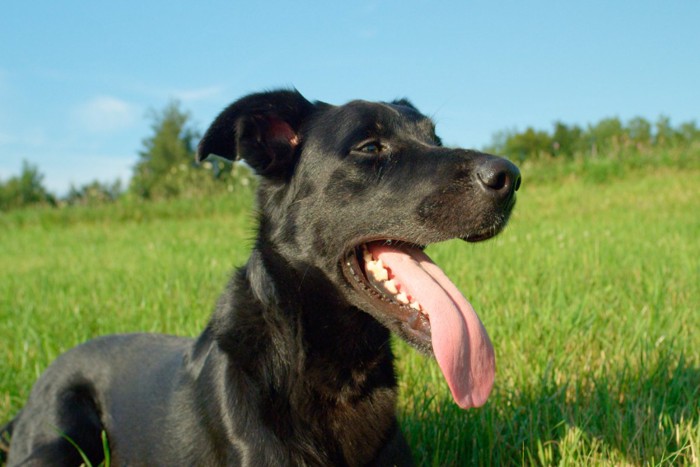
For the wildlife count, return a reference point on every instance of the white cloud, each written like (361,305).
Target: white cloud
(105,114)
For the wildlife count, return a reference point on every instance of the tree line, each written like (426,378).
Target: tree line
(165,168)
(166,165)
(609,137)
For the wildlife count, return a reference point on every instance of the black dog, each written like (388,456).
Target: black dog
(295,367)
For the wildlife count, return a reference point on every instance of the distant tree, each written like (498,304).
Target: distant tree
(566,140)
(171,148)
(94,192)
(639,132)
(528,144)
(25,189)
(688,133)
(664,133)
(605,135)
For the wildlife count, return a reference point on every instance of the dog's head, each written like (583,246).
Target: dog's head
(357,191)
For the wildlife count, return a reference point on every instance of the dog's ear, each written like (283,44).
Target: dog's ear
(263,129)
(404,102)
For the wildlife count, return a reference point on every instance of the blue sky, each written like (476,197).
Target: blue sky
(77,79)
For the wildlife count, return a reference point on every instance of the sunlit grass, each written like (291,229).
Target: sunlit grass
(590,297)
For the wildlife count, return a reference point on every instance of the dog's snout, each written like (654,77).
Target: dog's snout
(499,176)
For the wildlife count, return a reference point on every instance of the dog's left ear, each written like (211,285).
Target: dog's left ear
(404,102)
(263,129)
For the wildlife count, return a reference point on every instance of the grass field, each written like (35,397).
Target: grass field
(591,298)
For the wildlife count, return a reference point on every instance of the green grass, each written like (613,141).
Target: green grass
(590,296)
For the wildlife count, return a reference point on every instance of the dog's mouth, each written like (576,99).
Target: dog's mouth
(413,296)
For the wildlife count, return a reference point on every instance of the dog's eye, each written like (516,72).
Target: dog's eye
(371,147)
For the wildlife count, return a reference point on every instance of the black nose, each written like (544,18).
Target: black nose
(499,176)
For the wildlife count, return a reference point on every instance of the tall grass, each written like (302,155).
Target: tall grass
(590,297)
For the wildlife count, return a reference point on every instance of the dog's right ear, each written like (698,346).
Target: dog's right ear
(263,129)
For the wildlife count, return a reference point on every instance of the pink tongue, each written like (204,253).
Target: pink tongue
(460,343)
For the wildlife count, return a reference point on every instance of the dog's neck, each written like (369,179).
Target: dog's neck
(300,311)
(320,360)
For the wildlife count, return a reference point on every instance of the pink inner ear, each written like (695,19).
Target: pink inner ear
(280,130)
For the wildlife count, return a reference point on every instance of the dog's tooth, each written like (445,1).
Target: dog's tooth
(402,298)
(416,306)
(380,273)
(390,286)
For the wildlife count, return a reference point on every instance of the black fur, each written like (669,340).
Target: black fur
(295,366)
